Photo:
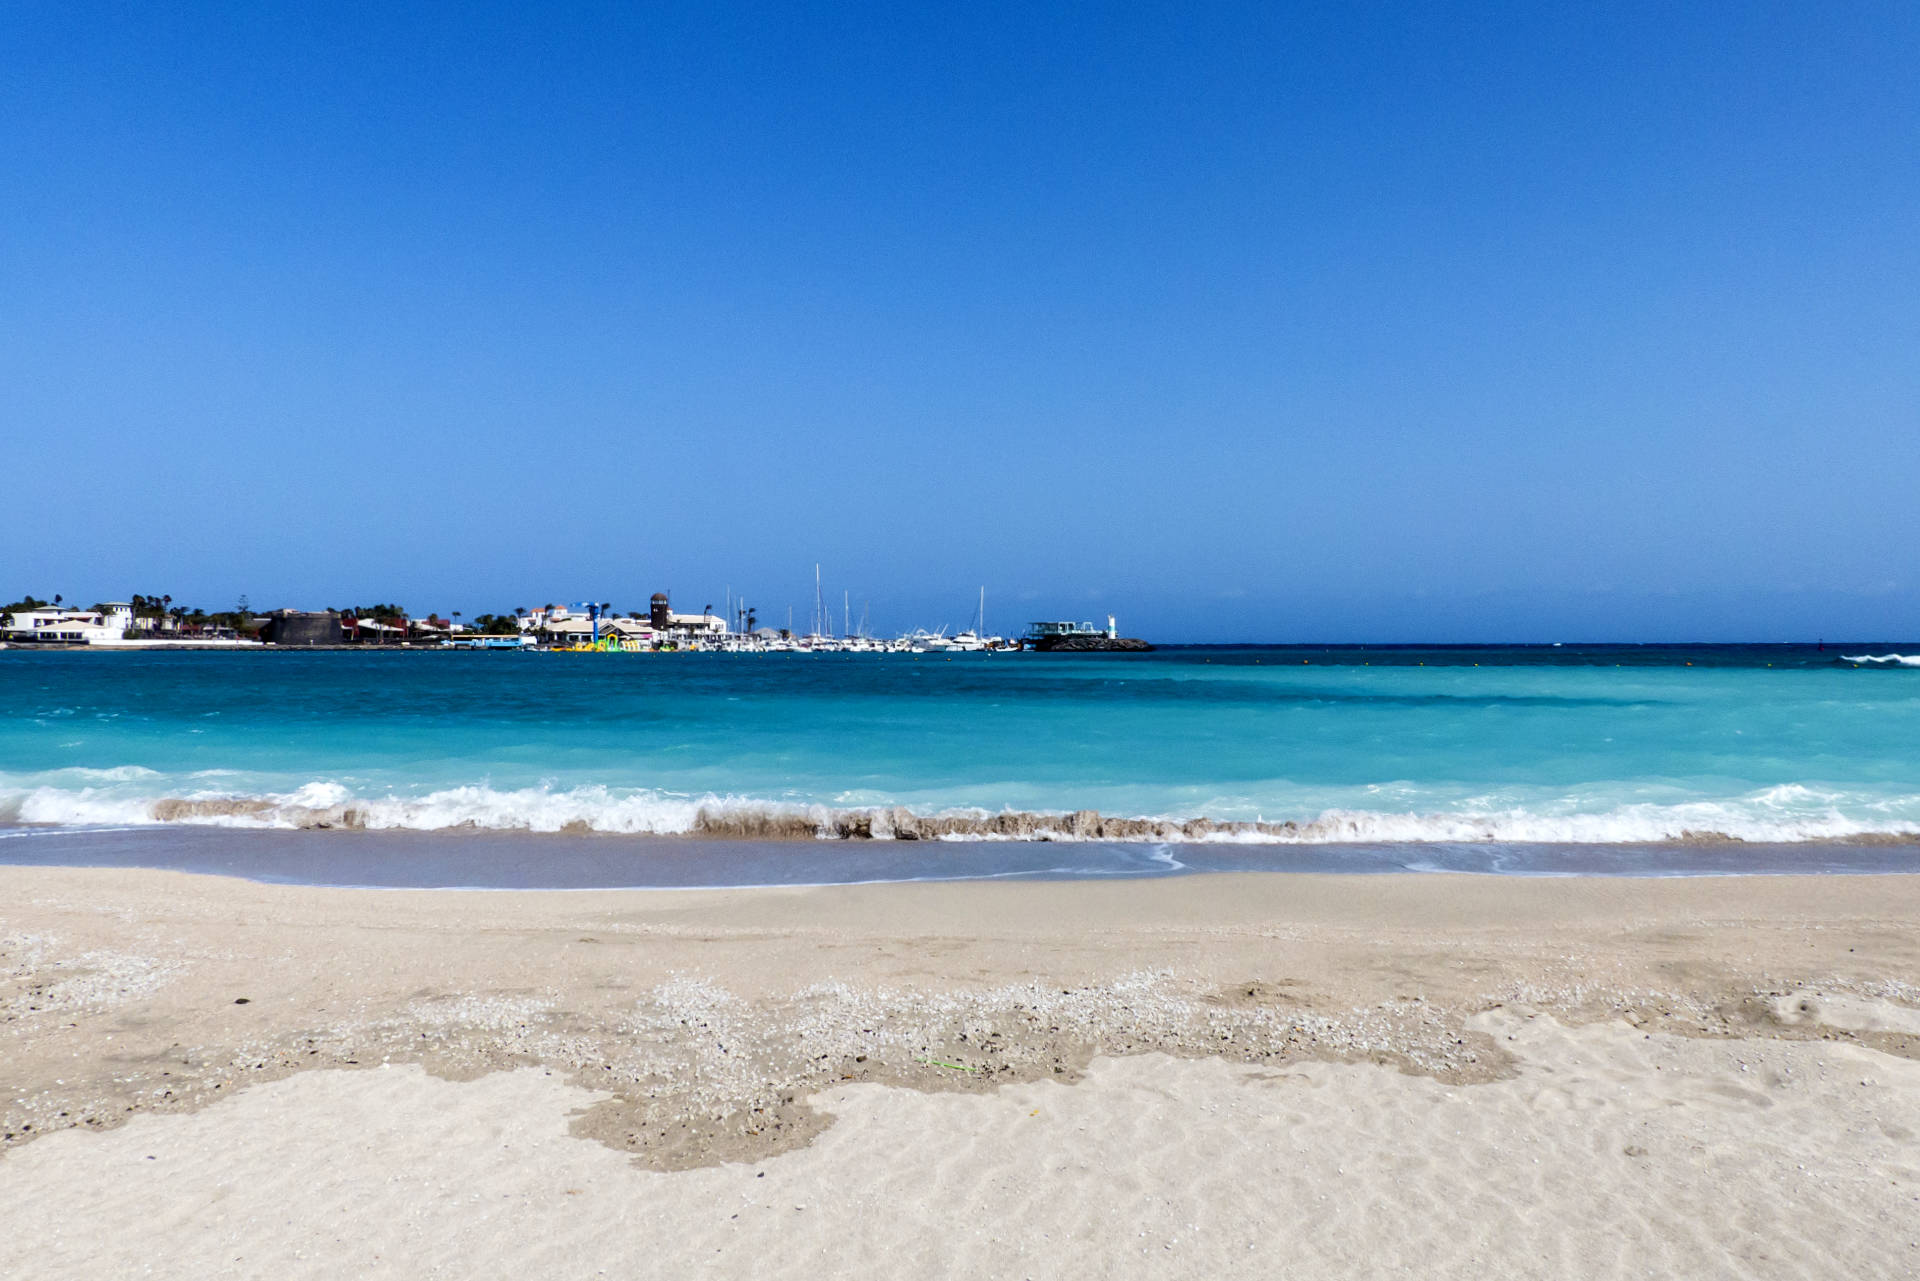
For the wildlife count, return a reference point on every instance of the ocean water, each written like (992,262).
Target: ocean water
(1484,747)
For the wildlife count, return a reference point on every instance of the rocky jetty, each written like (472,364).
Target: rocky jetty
(1091,645)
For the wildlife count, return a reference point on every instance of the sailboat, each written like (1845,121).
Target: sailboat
(975,640)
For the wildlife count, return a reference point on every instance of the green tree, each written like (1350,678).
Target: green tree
(25,605)
(495,625)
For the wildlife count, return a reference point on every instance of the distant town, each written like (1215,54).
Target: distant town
(156,622)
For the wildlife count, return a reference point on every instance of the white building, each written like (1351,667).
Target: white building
(577,629)
(699,626)
(104,625)
(561,625)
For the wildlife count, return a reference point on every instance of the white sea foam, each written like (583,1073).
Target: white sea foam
(1627,824)
(1898,660)
(331,804)
(1786,813)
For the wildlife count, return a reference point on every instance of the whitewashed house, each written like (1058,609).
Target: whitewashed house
(105,625)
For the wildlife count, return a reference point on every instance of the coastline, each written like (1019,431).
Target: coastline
(597,811)
(483,859)
(763,1031)
(778,821)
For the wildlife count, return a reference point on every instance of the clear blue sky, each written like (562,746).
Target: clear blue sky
(1397,321)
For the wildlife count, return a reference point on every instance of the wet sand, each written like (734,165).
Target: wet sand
(466,858)
(1208,1076)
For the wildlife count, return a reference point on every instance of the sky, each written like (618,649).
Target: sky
(1291,322)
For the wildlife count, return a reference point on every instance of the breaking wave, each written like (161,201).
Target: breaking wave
(1897,660)
(1790,813)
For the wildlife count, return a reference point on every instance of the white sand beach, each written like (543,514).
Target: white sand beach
(1213,1076)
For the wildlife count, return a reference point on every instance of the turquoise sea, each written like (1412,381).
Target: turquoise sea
(1562,745)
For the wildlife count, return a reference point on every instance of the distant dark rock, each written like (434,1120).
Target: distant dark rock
(1090,645)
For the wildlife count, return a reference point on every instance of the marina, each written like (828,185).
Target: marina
(577,627)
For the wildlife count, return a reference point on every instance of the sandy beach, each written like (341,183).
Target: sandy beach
(1205,1076)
